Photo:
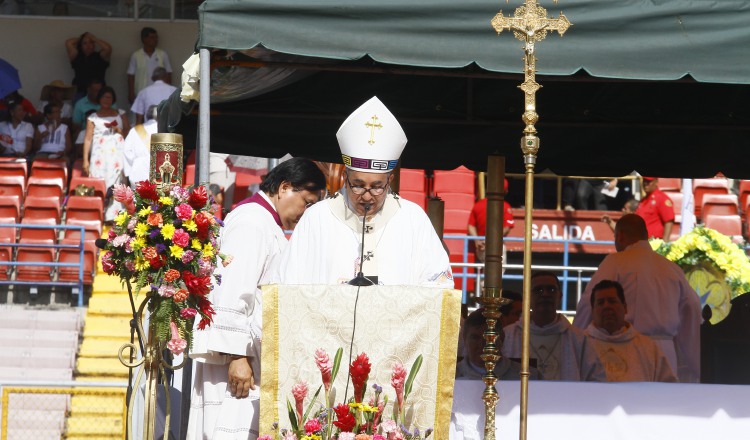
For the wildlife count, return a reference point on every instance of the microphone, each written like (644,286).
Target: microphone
(360,279)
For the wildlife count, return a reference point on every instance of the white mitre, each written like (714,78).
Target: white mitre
(371,139)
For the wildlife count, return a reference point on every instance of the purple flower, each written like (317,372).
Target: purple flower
(204,268)
(218,220)
(187,257)
(160,248)
(153,234)
(218,279)
(155,207)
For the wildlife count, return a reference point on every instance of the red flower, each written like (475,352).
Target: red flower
(171,275)
(205,322)
(344,419)
(180,296)
(312,426)
(150,253)
(147,190)
(205,307)
(198,197)
(198,286)
(158,261)
(360,371)
(203,222)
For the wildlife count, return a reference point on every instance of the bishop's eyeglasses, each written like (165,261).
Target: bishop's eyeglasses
(361,190)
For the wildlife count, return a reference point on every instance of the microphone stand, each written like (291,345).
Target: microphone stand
(360,279)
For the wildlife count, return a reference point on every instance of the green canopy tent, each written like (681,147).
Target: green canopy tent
(657,86)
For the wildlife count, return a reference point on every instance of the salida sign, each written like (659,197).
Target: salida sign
(564,225)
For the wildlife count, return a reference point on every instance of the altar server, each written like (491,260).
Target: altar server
(224,403)
(400,244)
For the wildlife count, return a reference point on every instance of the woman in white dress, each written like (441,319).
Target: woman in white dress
(105,135)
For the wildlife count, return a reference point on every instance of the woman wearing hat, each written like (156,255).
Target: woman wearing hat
(60,94)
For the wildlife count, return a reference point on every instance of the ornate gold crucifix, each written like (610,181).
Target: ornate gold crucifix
(373,124)
(529,24)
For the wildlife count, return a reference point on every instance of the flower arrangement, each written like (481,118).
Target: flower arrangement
(354,419)
(167,242)
(707,246)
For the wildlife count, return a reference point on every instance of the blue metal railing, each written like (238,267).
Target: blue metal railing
(77,285)
(464,266)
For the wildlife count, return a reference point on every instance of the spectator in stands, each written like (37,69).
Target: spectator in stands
(15,97)
(52,138)
(102,148)
(656,209)
(627,355)
(585,194)
(16,135)
(478,224)
(153,94)
(511,312)
(88,102)
(86,61)
(137,149)
(629,208)
(562,351)
(59,94)
(472,366)
(662,304)
(144,61)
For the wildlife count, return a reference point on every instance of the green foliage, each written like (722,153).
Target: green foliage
(412,374)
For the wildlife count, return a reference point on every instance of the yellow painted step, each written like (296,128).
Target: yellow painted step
(109,304)
(108,283)
(101,367)
(98,405)
(95,437)
(121,380)
(94,426)
(106,327)
(109,347)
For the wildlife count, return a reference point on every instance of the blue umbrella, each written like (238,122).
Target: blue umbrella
(9,80)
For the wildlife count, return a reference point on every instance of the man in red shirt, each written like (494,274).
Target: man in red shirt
(478,222)
(656,209)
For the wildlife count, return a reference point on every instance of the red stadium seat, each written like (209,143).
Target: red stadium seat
(676,198)
(100,187)
(45,186)
(456,220)
(242,182)
(730,225)
(77,169)
(460,180)
(13,185)
(50,168)
(7,236)
(92,229)
(724,204)
(42,208)
(70,274)
(418,197)
(457,201)
(84,208)
(13,167)
(189,175)
(707,186)
(744,192)
(46,235)
(412,180)
(10,206)
(34,255)
(670,184)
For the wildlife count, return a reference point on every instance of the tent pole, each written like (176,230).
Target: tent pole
(204,118)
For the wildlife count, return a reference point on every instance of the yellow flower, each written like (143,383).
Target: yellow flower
(145,211)
(164,200)
(167,231)
(141,229)
(138,243)
(121,218)
(190,225)
(176,251)
(141,264)
(196,244)
(656,243)
(208,251)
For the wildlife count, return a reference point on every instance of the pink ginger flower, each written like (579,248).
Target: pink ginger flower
(299,391)
(176,345)
(325,365)
(122,193)
(183,211)
(398,377)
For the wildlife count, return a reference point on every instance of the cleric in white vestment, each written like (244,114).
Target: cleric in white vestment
(224,403)
(400,244)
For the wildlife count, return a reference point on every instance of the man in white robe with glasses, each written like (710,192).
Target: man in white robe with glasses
(400,244)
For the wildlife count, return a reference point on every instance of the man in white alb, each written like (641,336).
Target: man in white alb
(400,244)
(627,355)
(562,352)
(137,149)
(661,303)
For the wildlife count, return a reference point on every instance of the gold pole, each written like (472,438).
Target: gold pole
(528,24)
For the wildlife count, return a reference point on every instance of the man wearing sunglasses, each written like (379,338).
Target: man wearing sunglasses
(400,245)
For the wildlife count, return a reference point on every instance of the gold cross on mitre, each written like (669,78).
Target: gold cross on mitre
(372,124)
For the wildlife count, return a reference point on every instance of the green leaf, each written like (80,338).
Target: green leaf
(310,406)
(412,374)
(292,415)
(336,363)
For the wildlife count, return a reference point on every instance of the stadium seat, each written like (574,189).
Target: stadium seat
(34,255)
(744,192)
(418,197)
(412,180)
(50,168)
(729,225)
(10,206)
(189,178)
(707,186)
(676,198)
(100,187)
(84,208)
(724,204)
(42,208)
(460,180)
(47,235)
(7,236)
(670,184)
(92,229)
(77,169)
(456,220)
(13,167)
(13,185)
(44,186)
(242,182)
(457,201)
(66,255)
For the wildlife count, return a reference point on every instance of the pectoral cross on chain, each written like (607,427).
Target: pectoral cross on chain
(372,124)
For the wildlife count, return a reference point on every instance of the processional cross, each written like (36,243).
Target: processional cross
(529,24)
(373,124)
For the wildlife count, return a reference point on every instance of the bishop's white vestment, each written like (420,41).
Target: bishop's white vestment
(561,350)
(629,356)
(400,246)
(253,237)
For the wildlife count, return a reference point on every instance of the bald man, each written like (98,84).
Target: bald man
(661,303)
